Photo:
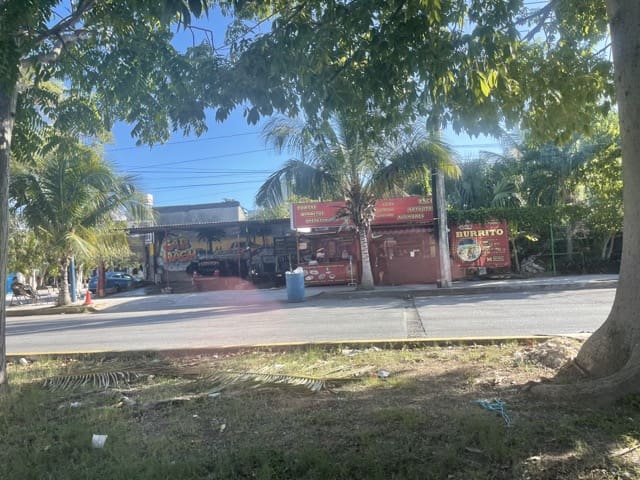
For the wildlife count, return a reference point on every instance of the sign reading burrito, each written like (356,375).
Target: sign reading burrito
(484,245)
(388,211)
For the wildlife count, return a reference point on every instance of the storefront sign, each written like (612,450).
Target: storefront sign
(403,210)
(284,245)
(316,214)
(484,245)
(388,211)
(327,273)
(177,250)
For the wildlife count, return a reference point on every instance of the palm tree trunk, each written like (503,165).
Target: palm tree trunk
(8,97)
(366,283)
(65,296)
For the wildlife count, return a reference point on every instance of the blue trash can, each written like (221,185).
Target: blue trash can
(295,286)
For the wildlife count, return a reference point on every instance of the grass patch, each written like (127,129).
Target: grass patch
(174,421)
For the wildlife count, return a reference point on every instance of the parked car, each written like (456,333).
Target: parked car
(114,281)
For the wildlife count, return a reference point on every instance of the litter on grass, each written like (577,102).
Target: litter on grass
(497,406)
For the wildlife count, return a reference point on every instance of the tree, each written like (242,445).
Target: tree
(611,356)
(117,53)
(489,181)
(66,198)
(27,250)
(335,162)
(601,177)
(466,64)
(210,235)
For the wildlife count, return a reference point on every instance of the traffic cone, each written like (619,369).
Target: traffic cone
(87,298)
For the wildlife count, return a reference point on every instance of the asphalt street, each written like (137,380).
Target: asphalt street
(217,319)
(514,314)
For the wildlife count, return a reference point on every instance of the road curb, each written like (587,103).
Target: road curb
(480,290)
(389,344)
(68,309)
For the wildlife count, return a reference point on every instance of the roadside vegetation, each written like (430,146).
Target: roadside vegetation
(344,413)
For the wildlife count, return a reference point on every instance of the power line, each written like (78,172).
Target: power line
(212,157)
(198,185)
(177,142)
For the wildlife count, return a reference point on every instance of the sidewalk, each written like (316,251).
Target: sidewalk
(475,287)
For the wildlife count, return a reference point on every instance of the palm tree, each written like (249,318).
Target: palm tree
(210,235)
(66,197)
(335,161)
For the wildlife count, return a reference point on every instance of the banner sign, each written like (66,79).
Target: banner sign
(316,214)
(285,246)
(484,245)
(328,273)
(403,210)
(388,211)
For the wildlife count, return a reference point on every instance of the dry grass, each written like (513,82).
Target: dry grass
(421,421)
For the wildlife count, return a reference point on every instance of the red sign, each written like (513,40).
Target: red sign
(484,245)
(327,273)
(388,211)
(316,214)
(403,210)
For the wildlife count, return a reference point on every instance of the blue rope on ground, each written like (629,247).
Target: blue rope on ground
(497,406)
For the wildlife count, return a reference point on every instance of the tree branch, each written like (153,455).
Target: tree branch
(543,13)
(66,23)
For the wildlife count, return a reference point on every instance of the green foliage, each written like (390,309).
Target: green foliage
(527,218)
(601,176)
(471,65)
(69,199)
(269,213)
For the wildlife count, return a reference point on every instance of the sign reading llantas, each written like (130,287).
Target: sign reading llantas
(388,211)
(485,245)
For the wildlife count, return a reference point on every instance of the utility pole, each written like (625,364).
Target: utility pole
(443,231)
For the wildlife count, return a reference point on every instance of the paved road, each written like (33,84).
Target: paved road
(548,313)
(241,318)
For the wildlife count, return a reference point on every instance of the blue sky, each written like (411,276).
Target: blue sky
(229,161)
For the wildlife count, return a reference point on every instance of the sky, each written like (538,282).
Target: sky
(230,161)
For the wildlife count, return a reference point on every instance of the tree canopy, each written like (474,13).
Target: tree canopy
(475,65)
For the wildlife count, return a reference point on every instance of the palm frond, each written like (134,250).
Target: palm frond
(252,380)
(298,178)
(103,380)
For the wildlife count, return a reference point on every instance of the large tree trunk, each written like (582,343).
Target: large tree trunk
(611,356)
(7,116)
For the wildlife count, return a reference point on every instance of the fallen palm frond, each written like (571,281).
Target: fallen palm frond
(229,379)
(116,376)
(94,379)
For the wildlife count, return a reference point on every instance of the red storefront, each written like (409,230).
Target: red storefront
(402,245)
